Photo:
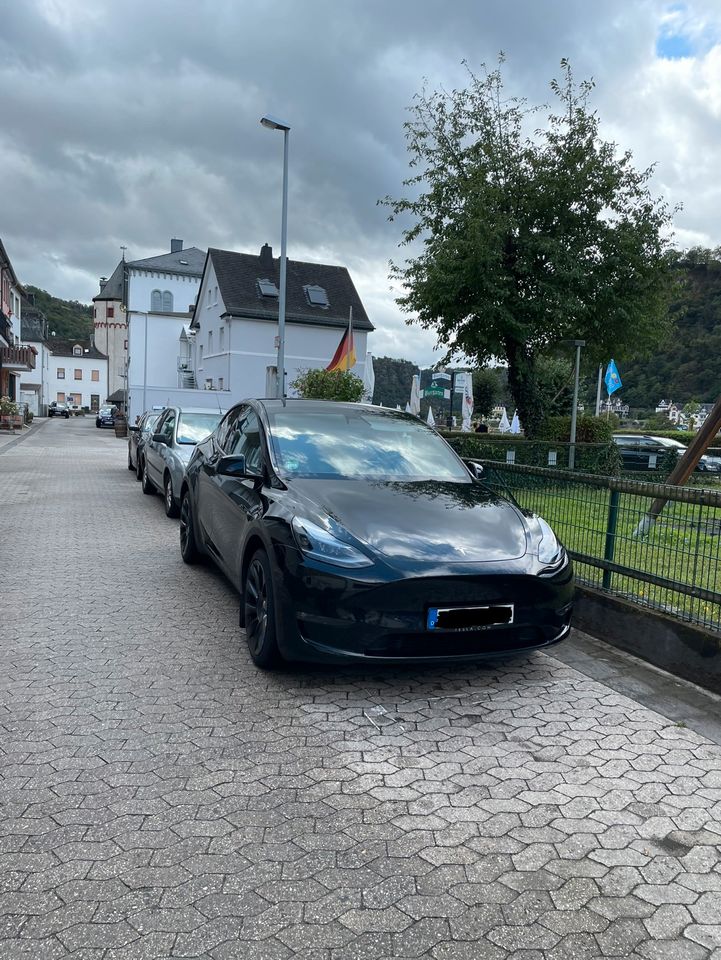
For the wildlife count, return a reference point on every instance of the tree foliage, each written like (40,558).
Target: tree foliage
(321,384)
(393,381)
(520,242)
(67,319)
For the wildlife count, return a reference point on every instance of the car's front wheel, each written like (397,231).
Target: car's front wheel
(171,507)
(130,462)
(259,609)
(188,544)
(147,483)
(139,469)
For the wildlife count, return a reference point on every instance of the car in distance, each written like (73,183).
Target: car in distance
(57,409)
(168,449)
(105,417)
(138,434)
(355,532)
(647,452)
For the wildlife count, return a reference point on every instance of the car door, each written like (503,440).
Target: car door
(157,452)
(208,497)
(238,502)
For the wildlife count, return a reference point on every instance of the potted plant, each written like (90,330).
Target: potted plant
(10,418)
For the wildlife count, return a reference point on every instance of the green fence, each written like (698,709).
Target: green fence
(672,564)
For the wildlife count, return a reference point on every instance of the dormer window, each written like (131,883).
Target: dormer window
(317,297)
(268,289)
(77,350)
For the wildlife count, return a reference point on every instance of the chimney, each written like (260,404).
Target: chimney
(176,245)
(103,281)
(266,258)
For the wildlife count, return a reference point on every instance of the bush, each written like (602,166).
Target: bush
(8,407)
(597,458)
(588,429)
(339,385)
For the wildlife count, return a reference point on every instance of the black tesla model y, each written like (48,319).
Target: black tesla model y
(354,532)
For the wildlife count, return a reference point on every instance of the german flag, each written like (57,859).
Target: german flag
(344,357)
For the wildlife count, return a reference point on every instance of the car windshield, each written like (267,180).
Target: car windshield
(106,411)
(194,427)
(150,422)
(360,445)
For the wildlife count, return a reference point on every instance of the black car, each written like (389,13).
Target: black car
(646,452)
(57,409)
(105,417)
(356,532)
(138,435)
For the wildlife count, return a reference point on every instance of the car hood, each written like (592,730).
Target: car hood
(423,521)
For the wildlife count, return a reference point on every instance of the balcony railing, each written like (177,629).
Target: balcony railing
(18,358)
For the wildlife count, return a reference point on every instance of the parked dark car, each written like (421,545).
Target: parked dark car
(646,452)
(105,417)
(355,532)
(58,410)
(138,435)
(168,449)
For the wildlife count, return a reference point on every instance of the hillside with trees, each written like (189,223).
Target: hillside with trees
(687,366)
(66,318)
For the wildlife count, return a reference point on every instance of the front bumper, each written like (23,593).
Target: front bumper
(336,617)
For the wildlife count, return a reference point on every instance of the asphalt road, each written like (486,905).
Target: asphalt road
(160,797)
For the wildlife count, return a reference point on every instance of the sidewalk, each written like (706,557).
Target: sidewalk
(10,437)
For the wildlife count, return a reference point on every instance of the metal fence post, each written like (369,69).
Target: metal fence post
(610,547)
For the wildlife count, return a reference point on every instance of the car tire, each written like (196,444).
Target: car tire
(189,550)
(171,507)
(130,462)
(259,613)
(146,483)
(139,469)
(67,416)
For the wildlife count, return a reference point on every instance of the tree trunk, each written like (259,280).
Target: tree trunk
(523,384)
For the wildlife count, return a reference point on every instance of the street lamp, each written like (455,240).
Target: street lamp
(272,123)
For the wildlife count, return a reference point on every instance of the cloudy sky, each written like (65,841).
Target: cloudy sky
(130,123)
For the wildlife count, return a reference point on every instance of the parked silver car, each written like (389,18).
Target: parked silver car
(138,436)
(167,451)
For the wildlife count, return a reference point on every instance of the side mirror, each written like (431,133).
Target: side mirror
(160,438)
(233,466)
(476,469)
(133,428)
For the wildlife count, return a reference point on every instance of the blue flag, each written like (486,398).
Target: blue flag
(612,378)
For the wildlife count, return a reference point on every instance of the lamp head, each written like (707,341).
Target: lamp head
(272,123)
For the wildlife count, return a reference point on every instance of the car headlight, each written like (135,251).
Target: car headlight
(321,544)
(550,552)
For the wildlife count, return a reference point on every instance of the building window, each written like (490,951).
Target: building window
(77,351)
(156,301)
(209,383)
(95,312)
(61,373)
(125,344)
(216,295)
(95,376)
(210,341)
(61,397)
(220,383)
(221,337)
(78,374)
(201,354)
(110,312)
(167,301)
(209,293)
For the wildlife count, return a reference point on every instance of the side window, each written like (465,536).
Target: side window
(169,426)
(226,427)
(167,301)
(245,439)
(156,301)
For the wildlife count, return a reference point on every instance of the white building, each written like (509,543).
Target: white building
(236,321)
(78,373)
(111,328)
(34,383)
(159,294)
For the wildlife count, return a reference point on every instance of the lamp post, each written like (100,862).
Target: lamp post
(272,123)
(572,449)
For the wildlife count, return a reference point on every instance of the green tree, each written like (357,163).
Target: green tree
(329,385)
(66,318)
(520,242)
(486,392)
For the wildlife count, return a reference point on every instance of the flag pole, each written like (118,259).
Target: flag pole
(598,390)
(350,338)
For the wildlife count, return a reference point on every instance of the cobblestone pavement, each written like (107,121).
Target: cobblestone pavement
(162,798)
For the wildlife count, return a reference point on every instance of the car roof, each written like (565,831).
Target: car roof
(182,410)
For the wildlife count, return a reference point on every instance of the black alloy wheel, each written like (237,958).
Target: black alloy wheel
(171,507)
(259,609)
(188,544)
(147,483)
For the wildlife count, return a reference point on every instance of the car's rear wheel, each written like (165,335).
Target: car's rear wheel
(188,544)
(130,462)
(147,484)
(171,507)
(139,469)
(259,609)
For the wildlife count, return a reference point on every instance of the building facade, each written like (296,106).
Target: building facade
(77,374)
(111,328)
(236,321)
(16,360)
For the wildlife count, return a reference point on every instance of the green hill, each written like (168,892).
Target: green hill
(66,318)
(688,365)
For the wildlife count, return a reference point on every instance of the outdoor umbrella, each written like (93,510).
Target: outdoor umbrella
(503,424)
(415,401)
(515,423)
(430,420)
(369,379)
